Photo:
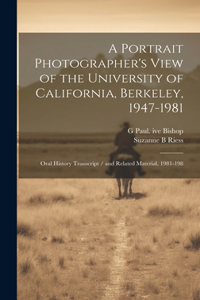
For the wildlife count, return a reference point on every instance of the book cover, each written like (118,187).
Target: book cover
(108,150)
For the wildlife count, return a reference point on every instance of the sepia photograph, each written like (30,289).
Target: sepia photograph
(108,150)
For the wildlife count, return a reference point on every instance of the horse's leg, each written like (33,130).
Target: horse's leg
(119,186)
(126,187)
(130,186)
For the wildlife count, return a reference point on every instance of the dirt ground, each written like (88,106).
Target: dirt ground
(76,240)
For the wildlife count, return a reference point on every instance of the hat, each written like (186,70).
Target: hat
(125,125)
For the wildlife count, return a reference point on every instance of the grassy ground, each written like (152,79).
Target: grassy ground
(77,241)
(32,154)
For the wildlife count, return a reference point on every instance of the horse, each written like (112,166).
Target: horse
(124,172)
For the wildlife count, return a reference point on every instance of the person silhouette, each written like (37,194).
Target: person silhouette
(124,141)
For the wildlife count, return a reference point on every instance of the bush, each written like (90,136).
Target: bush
(194,240)
(24,229)
(163,211)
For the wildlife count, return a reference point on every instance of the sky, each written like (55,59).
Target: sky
(108,16)
(119,16)
(53,46)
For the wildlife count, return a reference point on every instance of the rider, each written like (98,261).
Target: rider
(125,142)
